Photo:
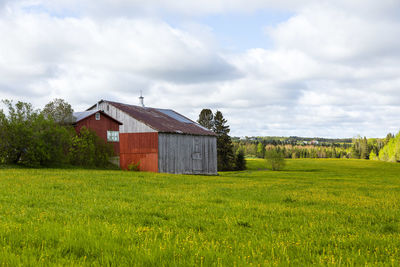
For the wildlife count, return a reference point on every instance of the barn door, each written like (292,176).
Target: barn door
(197,156)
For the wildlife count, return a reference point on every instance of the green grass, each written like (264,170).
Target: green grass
(314,212)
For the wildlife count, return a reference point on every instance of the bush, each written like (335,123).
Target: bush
(275,160)
(30,139)
(88,149)
(134,166)
(35,138)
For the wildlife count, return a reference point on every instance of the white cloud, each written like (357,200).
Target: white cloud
(328,33)
(44,55)
(332,71)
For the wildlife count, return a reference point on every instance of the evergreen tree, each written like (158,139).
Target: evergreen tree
(389,136)
(225,154)
(364,151)
(240,162)
(206,118)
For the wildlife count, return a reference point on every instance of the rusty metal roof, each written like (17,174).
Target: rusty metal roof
(163,120)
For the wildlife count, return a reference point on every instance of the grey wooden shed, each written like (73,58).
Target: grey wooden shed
(162,140)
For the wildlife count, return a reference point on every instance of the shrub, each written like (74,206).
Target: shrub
(34,138)
(134,166)
(28,138)
(373,156)
(88,149)
(275,160)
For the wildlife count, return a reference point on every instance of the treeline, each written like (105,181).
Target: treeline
(34,137)
(295,151)
(386,149)
(294,140)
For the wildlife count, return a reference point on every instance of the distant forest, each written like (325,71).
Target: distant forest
(385,149)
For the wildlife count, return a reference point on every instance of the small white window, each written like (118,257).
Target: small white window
(97,116)
(112,136)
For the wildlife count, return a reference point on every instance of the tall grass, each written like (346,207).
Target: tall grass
(313,212)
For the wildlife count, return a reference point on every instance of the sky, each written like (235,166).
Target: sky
(313,68)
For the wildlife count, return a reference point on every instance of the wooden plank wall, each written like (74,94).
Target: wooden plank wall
(139,147)
(100,127)
(187,154)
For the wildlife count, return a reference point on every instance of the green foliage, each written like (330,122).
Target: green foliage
(88,149)
(295,147)
(323,212)
(360,148)
(226,159)
(391,151)
(28,138)
(389,136)
(240,161)
(35,138)
(49,143)
(206,119)
(134,166)
(16,130)
(59,111)
(225,156)
(253,148)
(275,159)
(260,150)
(373,156)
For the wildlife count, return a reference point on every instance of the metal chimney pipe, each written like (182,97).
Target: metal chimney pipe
(141,99)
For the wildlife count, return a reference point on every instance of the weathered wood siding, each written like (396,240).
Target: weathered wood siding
(130,125)
(187,154)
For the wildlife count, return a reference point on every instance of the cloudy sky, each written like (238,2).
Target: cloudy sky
(273,67)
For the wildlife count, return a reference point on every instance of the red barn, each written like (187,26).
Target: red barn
(105,126)
(162,140)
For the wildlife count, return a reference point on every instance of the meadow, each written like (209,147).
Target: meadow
(316,211)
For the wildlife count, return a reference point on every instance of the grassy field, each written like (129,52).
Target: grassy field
(314,212)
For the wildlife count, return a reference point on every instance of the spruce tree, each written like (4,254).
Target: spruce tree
(240,161)
(364,151)
(225,154)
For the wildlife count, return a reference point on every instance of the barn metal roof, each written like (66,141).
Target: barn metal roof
(78,116)
(162,120)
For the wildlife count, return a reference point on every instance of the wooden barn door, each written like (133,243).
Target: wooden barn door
(197,156)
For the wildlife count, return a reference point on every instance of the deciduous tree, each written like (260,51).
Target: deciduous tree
(59,111)
(206,119)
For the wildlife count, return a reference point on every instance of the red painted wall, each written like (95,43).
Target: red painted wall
(139,147)
(100,127)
